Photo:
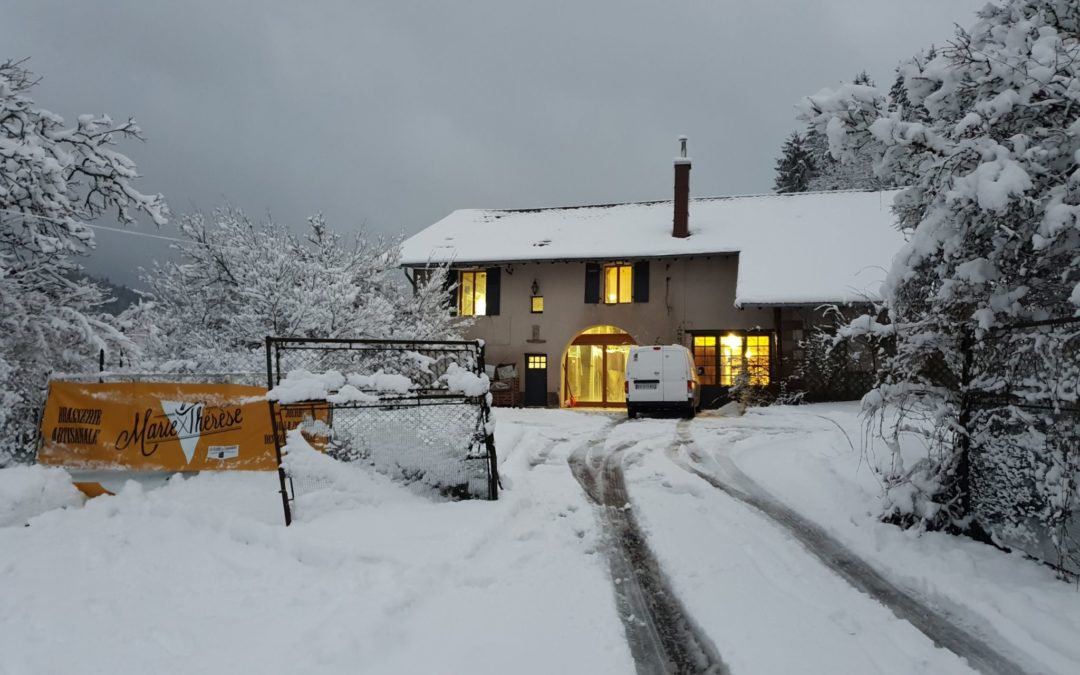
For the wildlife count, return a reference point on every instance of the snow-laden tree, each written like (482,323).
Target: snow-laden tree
(795,168)
(238,280)
(898,98)
(855,173)
(994,217)
(53,179)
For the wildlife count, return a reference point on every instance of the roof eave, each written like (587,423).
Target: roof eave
(802,304)
(517,261)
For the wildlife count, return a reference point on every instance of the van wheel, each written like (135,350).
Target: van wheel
(631,412)
(690,411)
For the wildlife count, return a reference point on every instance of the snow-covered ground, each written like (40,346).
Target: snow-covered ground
(768,606)
(201,575)
(811,458)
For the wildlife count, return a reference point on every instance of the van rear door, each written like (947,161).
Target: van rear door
(643,374)
(675,374)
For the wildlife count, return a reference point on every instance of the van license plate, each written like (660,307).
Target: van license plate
(645,385)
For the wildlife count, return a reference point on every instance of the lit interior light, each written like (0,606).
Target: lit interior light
(732,341)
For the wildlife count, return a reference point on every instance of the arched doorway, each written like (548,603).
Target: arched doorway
(594,367)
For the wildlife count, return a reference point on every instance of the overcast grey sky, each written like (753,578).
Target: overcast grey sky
(389,114)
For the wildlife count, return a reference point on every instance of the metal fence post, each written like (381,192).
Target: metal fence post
(270,382)
(489,438)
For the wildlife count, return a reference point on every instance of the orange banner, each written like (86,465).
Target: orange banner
(157,427)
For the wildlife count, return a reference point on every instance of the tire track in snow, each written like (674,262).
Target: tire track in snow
(662,636)
(942,631)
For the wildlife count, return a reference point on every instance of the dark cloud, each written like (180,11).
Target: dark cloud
(388,114)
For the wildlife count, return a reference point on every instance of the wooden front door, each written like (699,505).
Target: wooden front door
(536,380)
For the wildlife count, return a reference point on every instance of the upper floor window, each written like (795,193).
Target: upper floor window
(472,294)
(618,284)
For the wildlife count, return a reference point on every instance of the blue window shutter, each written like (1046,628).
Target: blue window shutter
(641,281)
(592,283)
(451,284)
(494,290)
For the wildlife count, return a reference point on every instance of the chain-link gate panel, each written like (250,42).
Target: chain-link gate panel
(399,407)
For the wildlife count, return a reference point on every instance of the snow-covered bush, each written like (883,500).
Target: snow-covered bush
(239,281)
(53,179)
(834,367)
(994,215)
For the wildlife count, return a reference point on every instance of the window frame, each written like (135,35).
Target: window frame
(536,362)
(709,344)
(715,372)
(621,284)
(474,274)
(760,373)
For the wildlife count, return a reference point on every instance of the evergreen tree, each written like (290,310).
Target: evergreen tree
(795,167)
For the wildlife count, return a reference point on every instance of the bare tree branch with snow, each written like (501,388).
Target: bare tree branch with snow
(53,179)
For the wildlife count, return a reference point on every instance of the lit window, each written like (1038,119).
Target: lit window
(472,294)
(618,284)
(537,304)
(536,361)
(750,352)
(723,357)
(731,354)
(757,359)
(705,357)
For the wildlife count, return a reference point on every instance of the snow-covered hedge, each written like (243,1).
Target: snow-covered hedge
(993,215)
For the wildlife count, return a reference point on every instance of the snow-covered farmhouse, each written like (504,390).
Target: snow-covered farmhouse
(562,293)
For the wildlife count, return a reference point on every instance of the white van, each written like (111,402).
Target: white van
(661,377)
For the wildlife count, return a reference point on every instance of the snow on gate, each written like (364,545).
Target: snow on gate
(418,411)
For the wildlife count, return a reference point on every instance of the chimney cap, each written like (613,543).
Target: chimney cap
(682,158)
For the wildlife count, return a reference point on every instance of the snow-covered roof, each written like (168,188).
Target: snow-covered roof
(793,248)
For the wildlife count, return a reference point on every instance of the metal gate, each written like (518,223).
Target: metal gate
(424,431)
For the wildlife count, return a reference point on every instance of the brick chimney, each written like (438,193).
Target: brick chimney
(680,226)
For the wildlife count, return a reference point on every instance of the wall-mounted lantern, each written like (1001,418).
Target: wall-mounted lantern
(536,302)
